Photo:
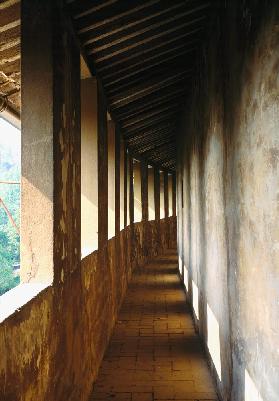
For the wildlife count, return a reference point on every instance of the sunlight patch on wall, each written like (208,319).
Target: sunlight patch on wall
(180,264)
(251,391)
(213,341)
(195,299)
(186,278)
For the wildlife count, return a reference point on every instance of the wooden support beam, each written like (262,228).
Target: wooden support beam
(102,168)
(50,192)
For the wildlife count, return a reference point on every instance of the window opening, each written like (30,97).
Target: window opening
(10,173)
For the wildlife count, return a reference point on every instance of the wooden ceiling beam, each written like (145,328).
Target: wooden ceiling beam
(150,139)
(139,107)
(148,153)
(82,8)
(168,69)
(145,89)
(146,116)
(165,24)
(138,69)
(152,50)
(115,13)
(132,45)
(149,123)
(138,22)
(160,129)
(151,146)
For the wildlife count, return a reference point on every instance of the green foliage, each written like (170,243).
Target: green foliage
(9,239)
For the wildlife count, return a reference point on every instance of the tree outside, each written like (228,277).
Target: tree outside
(9,204)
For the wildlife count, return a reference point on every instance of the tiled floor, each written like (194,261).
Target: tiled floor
(154,353)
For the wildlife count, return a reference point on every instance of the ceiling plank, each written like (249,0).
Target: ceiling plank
(114,13)
(128,48)
(151,49)
(149,123)
(145,89)
(145,116)
(94,36)
(137,35)
(149,64)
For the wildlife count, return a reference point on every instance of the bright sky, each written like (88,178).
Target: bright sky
(10,137)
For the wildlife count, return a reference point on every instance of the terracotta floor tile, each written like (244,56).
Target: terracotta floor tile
(154,353)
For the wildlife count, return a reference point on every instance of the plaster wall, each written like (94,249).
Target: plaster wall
(228,229)
(89,167)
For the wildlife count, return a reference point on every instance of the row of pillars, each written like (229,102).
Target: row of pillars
(51,150)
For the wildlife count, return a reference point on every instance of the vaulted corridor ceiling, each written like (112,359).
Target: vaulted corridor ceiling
(145,54)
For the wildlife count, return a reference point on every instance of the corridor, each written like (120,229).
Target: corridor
(154,352)
(145,126)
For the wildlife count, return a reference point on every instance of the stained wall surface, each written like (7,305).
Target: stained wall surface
(52,347)
(228,172)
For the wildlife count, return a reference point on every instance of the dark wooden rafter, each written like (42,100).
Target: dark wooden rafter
(138,108)
(166,117)
(147,88)
(158,147)
(147,115)
(162,28)
(145,47)
(139,22)
(150,141)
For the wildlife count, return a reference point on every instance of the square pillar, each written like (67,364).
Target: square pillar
(50,192)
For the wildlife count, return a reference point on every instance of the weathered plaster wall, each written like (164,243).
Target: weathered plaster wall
(51,349)
(228,227)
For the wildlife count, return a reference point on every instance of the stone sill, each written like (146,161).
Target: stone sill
(13,300)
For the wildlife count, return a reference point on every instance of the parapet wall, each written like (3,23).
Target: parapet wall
(51,349)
